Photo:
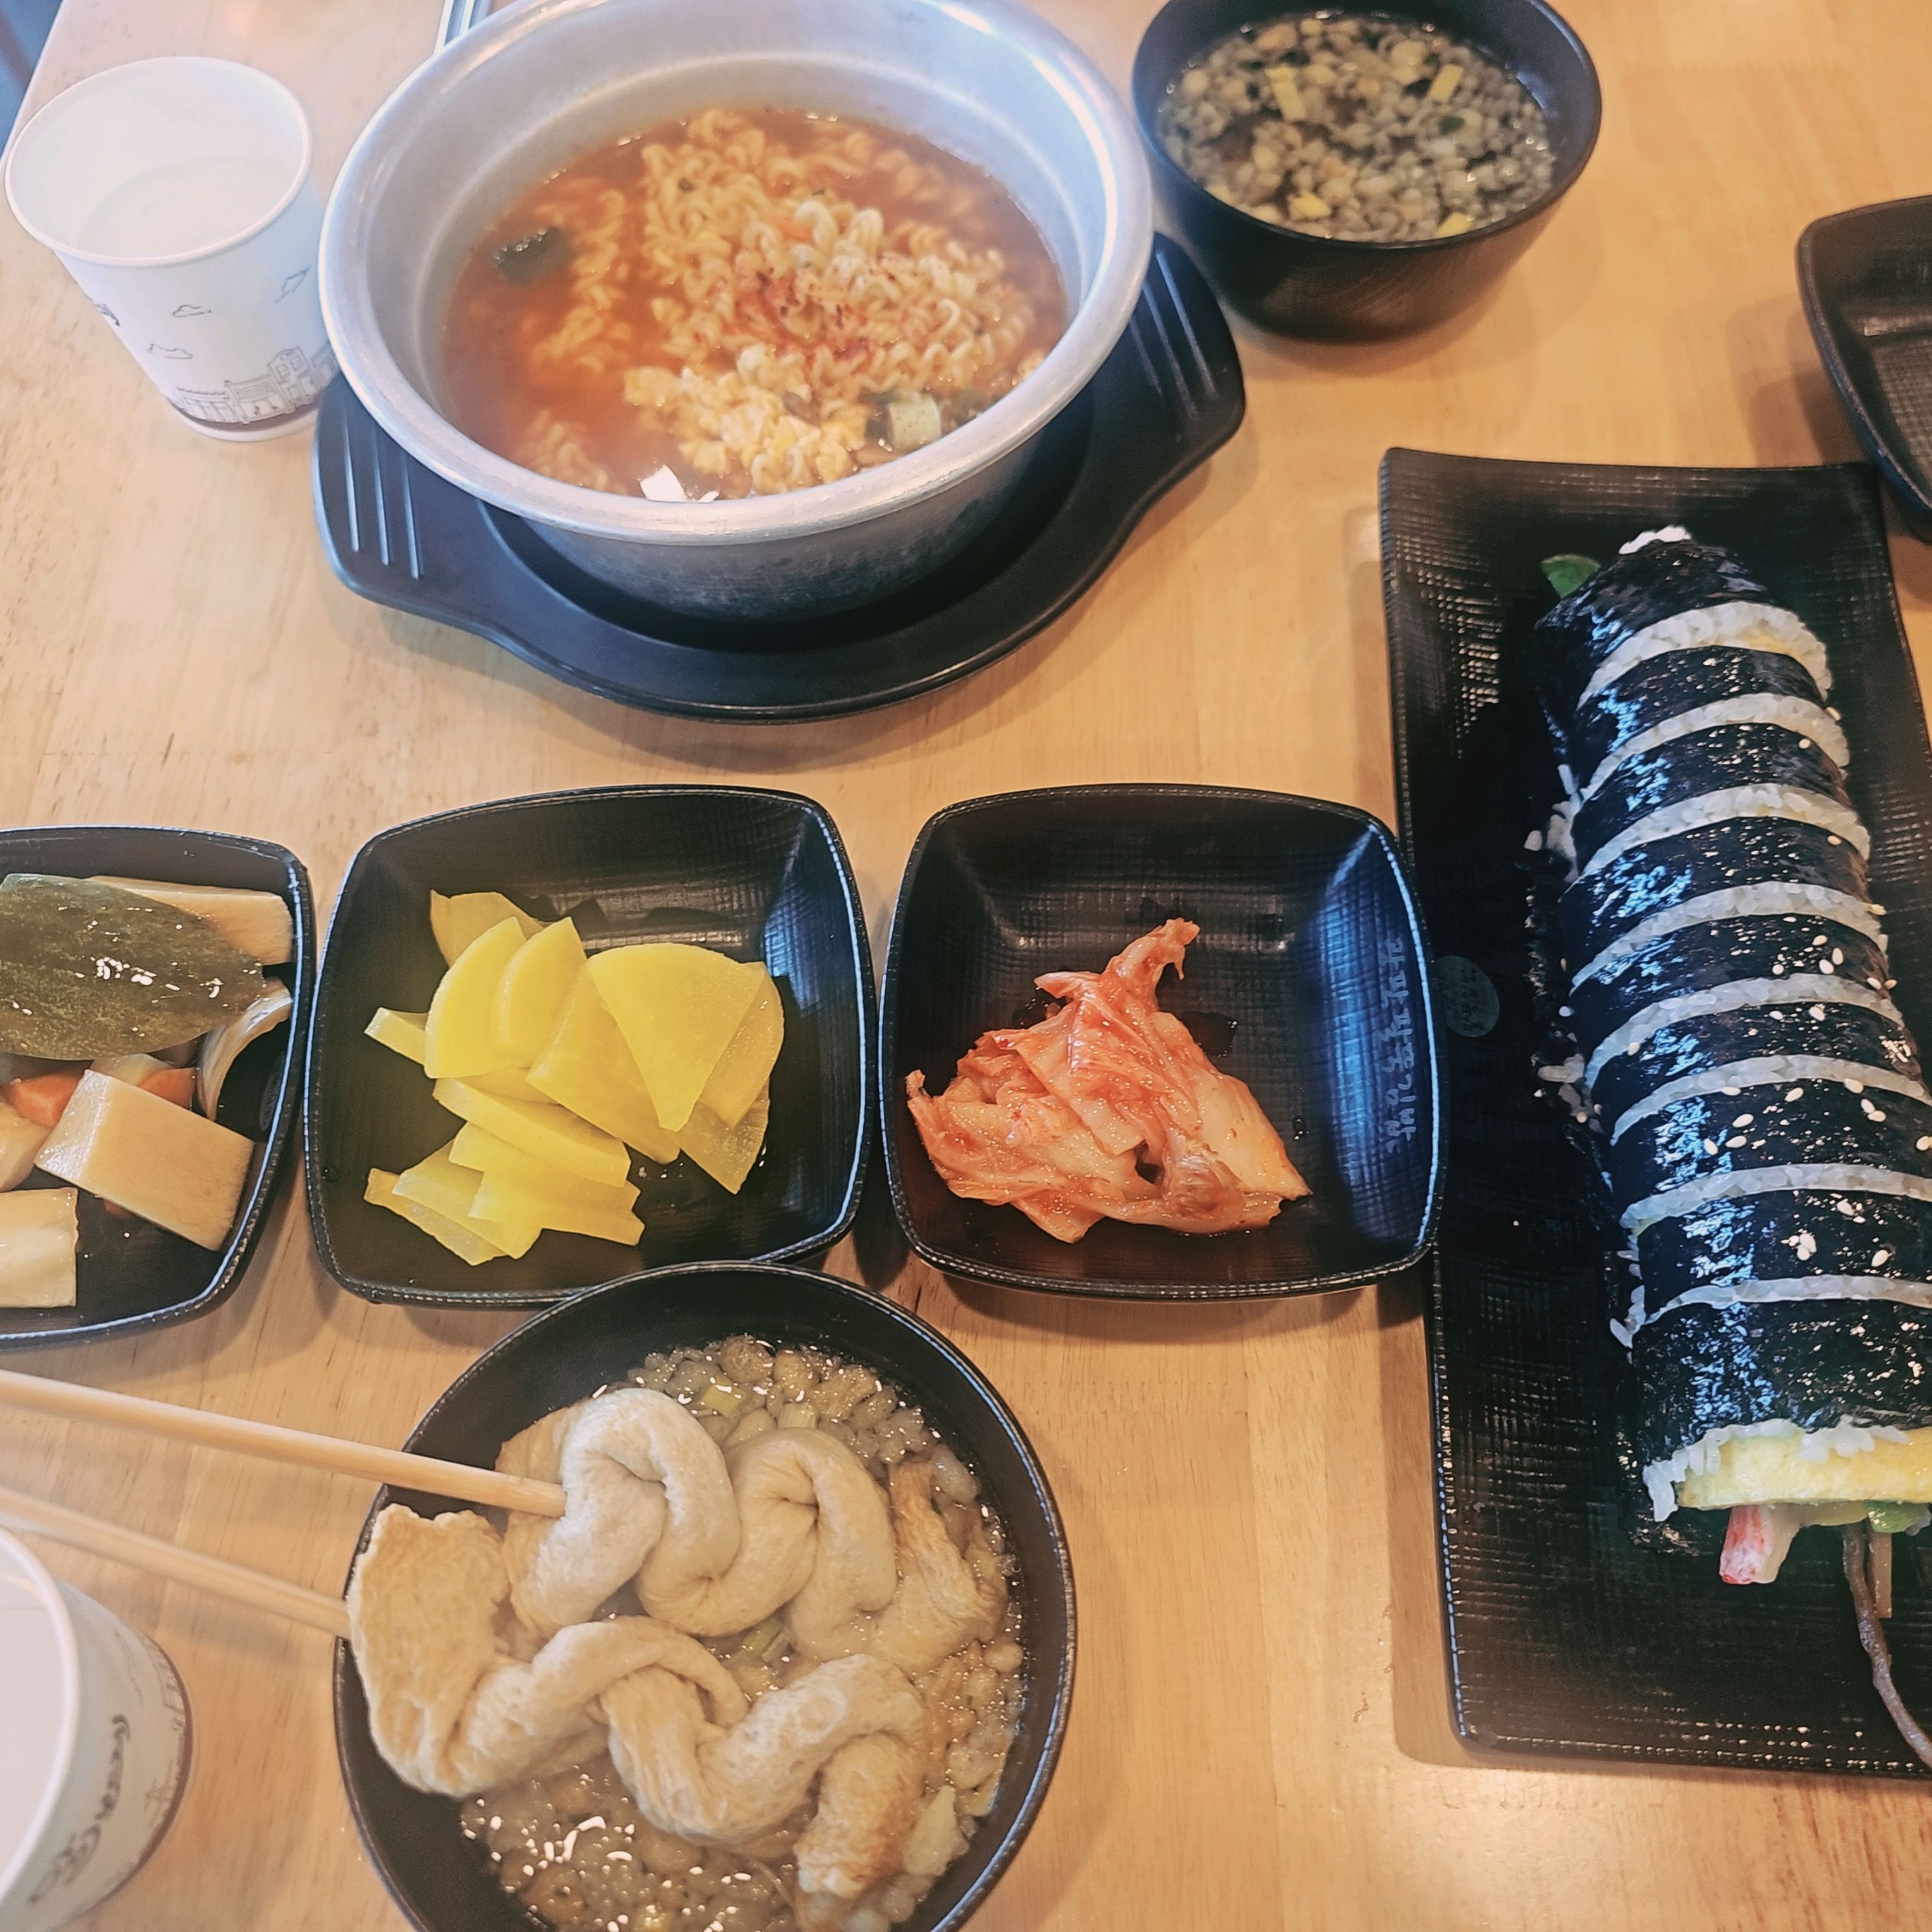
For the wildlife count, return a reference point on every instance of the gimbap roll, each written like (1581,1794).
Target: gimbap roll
(1724,758)
(1717,1051)
(1770,945)
(1678,691)
(1792,1244)
(1667,594)
(1648,879)
(1690,1145)
(1765,1124)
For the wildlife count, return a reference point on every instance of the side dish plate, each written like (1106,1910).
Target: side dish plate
(1309,979)
(1562,1635)
(1866,277)
(757,874)
(133,1275)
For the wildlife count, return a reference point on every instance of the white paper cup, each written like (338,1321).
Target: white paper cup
(94,1747)
(177,193)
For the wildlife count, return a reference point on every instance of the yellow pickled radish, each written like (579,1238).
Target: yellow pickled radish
(728,1154)
(400,1032)
(550,1133)
(677,1007)
(586,1066)
(512,1083)
(745,1068)
(477,1147)
(459,921)
(454,1235)
(501,1197)
(534,986)
(457,1039)
(437,1183)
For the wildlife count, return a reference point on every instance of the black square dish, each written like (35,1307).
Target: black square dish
(1563,1635)
(1310,945)
(1866,277)
(132,1274)
(756,874)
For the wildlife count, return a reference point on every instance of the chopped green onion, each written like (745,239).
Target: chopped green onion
(1566,573)
(1449,123)
(1896,1519)
(762,1640)
(530,257)
(721,1398)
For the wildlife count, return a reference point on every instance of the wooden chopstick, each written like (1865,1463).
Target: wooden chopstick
(260,1592)
(490,1487)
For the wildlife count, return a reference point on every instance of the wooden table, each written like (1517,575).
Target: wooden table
(1260,1736)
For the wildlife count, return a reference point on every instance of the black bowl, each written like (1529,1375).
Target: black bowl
(1312,285)
(758,875)
(1866,277)
(132,1274)
(1310,944)
(437,1876)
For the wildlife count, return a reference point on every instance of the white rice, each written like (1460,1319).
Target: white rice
(1845,1438)
(1737,902)
(1807,1288)
(1713,807)
(1669,533)
(1797,715)
(1796,989)
(1766,1070)
(1757,627)
(1841,1176)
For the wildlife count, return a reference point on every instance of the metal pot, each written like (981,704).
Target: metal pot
(519,96)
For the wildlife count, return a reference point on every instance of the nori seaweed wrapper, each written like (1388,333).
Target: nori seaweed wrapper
(1628,595)
(1716,759)
(1766,946)
(1794,1235)
(1670,684)
(1811,1363)
(1828,1029)
(1665,872)
(1708,1134)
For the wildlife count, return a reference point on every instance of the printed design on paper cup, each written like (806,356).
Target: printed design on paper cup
(291,382)
(74,1855)
(181,310)
(290,283)
(101,308)
(171,355)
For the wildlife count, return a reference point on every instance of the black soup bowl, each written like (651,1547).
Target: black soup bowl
(1315,285)
(441,1880)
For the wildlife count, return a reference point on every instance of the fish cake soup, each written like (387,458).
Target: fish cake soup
(742,303)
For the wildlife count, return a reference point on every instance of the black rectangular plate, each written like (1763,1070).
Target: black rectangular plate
(132,1275)
(1562,1635)
(757,875)
(1309,943)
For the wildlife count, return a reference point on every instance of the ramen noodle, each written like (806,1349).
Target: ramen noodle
(744,303)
